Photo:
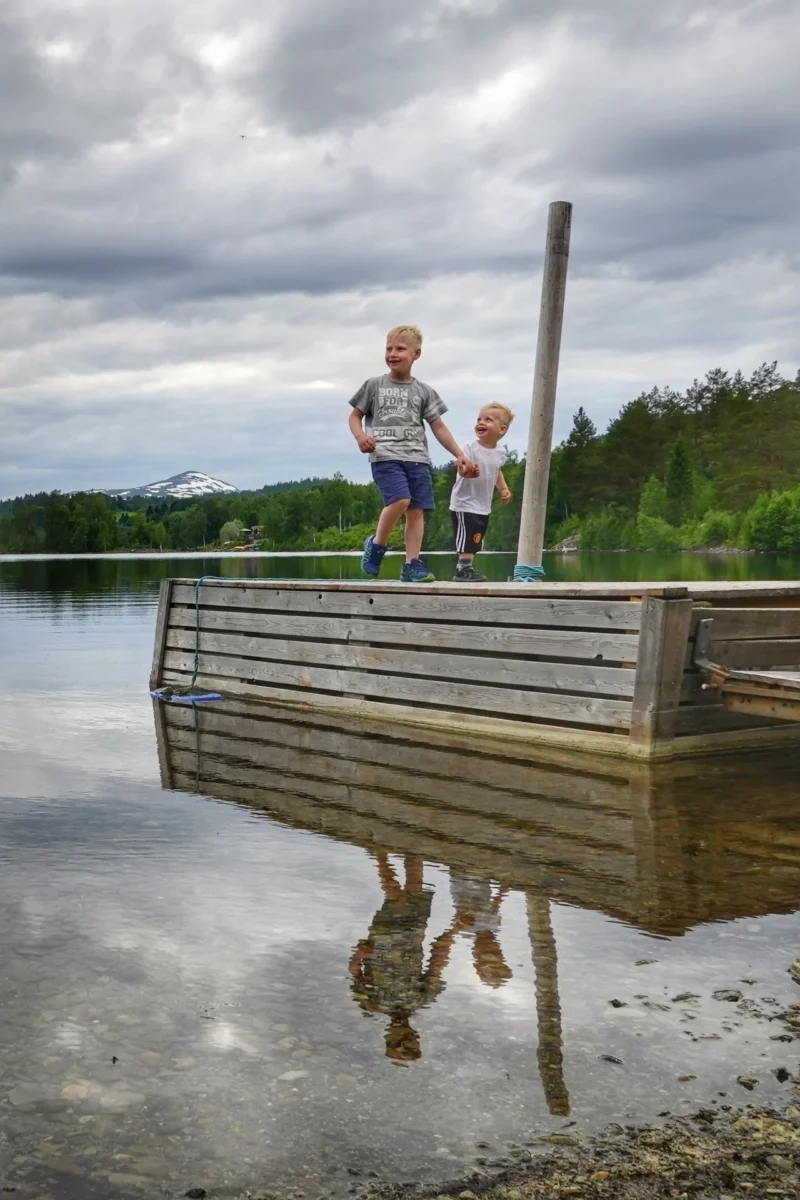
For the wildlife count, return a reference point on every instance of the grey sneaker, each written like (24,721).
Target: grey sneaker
(468,575)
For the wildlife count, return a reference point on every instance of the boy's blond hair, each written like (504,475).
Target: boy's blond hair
(412,332)
(506,414)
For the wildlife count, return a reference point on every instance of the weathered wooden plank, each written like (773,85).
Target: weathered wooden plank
(418,604)
(737,624)
(755,653)
(165,594)
(594,645)
(483,764)
(779,708)
(596,827)
(481,830)
(568,677)
(722,592)
(659,670)
(562,707)
(448,722)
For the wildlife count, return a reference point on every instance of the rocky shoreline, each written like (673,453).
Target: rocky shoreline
(752,1153)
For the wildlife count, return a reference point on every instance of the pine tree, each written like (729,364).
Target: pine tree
(679,483)
(577,466)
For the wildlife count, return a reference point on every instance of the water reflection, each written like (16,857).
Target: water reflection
(663,850)
(177,992)
(389,975)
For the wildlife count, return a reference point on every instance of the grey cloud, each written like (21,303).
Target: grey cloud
(140,234)
(335,64)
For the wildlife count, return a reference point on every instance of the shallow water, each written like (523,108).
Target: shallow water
(212,933)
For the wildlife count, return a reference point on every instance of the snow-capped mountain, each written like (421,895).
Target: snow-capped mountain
(186,486)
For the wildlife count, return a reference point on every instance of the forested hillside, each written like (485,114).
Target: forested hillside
(718,464)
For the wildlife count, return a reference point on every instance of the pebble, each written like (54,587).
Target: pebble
(730,994)
(779,1163)
(292,1076)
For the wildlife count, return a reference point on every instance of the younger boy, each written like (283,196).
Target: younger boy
(471,497)
(396,405)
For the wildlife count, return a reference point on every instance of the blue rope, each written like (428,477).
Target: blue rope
(179,695)
(526,574)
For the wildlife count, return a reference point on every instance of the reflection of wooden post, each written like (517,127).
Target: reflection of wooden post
(548,1009)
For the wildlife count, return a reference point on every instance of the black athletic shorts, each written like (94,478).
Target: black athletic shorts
(469,529)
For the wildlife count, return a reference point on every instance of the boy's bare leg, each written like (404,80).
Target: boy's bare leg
(388,519)
(392,888)
(415,531)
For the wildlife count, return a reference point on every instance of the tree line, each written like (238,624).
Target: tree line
(716,465)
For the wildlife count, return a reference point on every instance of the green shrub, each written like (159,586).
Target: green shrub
(655,533)
(610,529)
(773,522)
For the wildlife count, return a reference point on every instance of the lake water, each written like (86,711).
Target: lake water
(247,952)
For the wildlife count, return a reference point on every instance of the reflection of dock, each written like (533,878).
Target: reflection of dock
(604,668)
(664,849)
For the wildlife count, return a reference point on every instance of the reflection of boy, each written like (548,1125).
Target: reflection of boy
(388,969)
(478,916)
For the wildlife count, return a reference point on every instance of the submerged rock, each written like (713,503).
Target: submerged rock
(747,1081)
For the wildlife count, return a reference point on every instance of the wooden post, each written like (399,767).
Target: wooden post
(540,434)
(663,640)
(162,628)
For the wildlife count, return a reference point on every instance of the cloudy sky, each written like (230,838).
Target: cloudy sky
(173,295)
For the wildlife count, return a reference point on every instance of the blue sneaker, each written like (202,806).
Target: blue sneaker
(416,572)
(372,557)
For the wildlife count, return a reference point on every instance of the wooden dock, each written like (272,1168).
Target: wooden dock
(594,668)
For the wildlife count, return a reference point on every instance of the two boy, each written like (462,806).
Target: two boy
(388,422)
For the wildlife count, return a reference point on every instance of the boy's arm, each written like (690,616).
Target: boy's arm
(502,487)
(445,438)
(366,443)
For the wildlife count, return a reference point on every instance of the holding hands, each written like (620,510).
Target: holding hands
(466,468)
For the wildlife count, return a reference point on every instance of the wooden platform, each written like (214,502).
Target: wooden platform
(595,668)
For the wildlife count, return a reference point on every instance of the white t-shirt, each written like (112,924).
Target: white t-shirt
(475,495)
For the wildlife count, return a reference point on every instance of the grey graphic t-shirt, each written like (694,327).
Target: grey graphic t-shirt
(395,413)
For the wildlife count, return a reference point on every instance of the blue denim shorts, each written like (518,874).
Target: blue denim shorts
(398,480)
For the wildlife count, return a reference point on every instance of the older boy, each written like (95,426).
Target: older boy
(471,498)
(396,406)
